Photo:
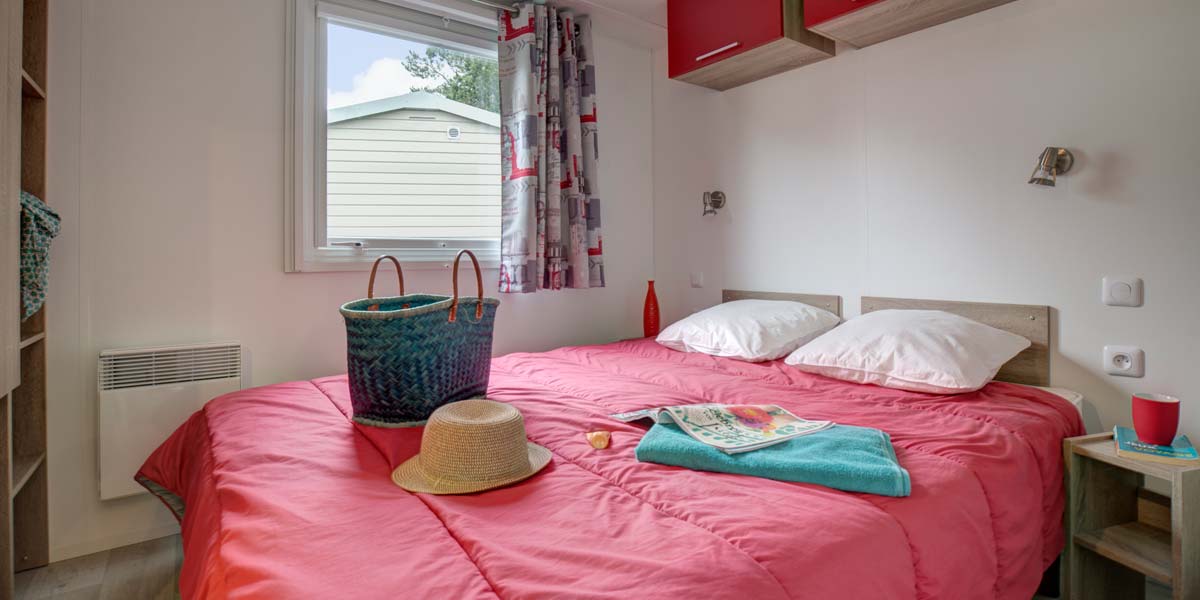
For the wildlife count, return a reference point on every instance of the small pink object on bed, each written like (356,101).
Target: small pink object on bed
(286,498)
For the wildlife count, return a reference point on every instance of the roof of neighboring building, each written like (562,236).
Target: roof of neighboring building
(416,101)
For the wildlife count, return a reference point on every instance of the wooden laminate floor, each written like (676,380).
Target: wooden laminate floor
(145,571)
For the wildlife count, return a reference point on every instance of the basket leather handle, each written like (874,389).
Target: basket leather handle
(371,282)
(478,284)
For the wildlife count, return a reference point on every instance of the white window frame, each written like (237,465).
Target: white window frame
(448,23)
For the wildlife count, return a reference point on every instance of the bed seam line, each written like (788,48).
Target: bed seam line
(617,485)
(350,420)
(986,499)
(450,533)
(663,512)
(912,552)
(429,508)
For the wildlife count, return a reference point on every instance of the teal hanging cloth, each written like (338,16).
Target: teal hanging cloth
(39,225)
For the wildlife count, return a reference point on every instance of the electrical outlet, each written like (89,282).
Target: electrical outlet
(1124,361)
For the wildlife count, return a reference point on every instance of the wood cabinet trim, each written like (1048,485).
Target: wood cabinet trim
(887,19)
(764,61)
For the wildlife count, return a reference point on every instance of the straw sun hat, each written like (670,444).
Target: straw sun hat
(471,446)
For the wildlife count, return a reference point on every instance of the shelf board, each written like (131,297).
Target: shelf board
(1102,448)
(23,467)
(35,324)
(30,88)
(33,339)
(1138,546)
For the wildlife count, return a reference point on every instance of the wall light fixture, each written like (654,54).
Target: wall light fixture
(713,201)
(1052,163)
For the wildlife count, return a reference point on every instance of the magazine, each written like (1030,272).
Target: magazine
(1180,452)
(731,428)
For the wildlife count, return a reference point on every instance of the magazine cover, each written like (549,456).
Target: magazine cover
(1181,452)
(731,428)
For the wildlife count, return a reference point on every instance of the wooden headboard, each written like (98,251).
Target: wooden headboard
(832,304)
(1031,367)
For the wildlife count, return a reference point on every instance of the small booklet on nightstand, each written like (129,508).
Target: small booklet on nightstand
(1180,452)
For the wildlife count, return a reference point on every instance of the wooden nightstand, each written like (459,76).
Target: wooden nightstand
(1119,533)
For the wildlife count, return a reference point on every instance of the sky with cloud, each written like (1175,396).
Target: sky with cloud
(365,66)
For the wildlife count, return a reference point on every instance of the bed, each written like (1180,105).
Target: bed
(280,495)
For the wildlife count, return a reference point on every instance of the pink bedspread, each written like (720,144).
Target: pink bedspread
(286,498)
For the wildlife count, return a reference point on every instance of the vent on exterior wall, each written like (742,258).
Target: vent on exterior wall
(453,133)
(143,367)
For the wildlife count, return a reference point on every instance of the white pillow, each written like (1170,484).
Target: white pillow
(919,350)
(753,330)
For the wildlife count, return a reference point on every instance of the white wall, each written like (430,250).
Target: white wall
(900,170)
(166,149)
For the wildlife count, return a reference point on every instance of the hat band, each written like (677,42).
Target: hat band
(516,469)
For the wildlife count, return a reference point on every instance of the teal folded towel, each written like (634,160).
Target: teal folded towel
(844,457)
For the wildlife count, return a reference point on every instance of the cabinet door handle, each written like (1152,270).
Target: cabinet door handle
(718,51)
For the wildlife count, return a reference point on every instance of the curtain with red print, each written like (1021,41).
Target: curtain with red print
(550,206)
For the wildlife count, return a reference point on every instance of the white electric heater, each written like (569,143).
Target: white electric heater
(147,393)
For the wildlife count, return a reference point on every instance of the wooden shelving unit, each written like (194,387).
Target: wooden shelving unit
(24,534)
(1119,533)
(23,470)
(30,88)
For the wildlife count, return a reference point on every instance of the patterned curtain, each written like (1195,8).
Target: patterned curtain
(550,204)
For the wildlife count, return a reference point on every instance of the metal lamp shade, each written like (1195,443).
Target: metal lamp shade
(1051,163)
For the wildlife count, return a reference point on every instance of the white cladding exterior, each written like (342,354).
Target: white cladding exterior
(400,173)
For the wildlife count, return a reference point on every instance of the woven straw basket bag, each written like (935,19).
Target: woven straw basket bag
(407,355)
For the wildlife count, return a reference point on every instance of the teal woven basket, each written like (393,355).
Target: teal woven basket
(409,354)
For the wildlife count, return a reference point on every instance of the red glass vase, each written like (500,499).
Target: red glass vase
(650,312)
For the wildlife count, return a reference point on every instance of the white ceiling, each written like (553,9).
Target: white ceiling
(639,22)
(651,11)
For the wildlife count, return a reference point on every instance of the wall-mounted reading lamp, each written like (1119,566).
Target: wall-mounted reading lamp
(1052,163)
(713,201)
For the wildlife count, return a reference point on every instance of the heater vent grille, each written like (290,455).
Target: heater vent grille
(145,367)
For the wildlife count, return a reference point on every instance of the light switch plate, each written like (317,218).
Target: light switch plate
(1121,291)
(697,279)
(1124,361)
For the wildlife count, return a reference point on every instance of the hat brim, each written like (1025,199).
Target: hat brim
(410,476)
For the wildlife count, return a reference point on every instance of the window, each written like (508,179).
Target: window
(395,135)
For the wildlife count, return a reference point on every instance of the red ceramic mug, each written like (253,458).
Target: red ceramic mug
(1156,418)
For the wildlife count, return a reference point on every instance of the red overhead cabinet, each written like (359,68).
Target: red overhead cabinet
(721,44)
(865,22)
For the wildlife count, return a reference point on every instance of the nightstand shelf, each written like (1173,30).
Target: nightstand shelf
(1140,547)
(1119,533)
